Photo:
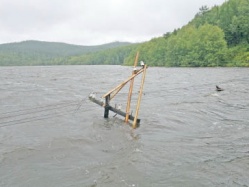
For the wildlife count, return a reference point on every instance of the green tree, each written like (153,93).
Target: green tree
(203,46)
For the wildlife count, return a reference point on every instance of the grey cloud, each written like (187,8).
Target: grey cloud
(93,22)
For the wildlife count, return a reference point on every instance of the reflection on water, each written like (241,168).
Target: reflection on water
(190,135)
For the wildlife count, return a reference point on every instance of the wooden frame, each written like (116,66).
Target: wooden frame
(113,92)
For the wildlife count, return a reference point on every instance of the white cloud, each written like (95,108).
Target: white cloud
(93,22)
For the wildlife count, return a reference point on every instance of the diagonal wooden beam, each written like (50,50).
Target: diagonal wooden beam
(116,92)
(139,98)
(123,83)
(128,105)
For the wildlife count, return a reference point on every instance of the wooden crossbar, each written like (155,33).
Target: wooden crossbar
(123,83)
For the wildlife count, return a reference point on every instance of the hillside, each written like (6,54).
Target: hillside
(46,53)
(216,36)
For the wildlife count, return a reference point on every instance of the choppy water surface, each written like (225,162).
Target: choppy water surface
(190,135)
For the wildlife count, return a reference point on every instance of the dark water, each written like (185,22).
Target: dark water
(190,135)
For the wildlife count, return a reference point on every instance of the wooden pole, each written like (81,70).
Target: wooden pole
(114,93)
(128,106)
(107,106)
(123,83)
(139,98)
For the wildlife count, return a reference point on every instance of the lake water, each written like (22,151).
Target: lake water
(190,135)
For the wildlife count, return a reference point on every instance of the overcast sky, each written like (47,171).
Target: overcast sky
(94,22)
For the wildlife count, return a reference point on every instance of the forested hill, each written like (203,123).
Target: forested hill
(216,36)
(46,53)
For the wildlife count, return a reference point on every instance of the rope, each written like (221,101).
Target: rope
(42,117)
(25,118)
(17,111)
(23,112)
